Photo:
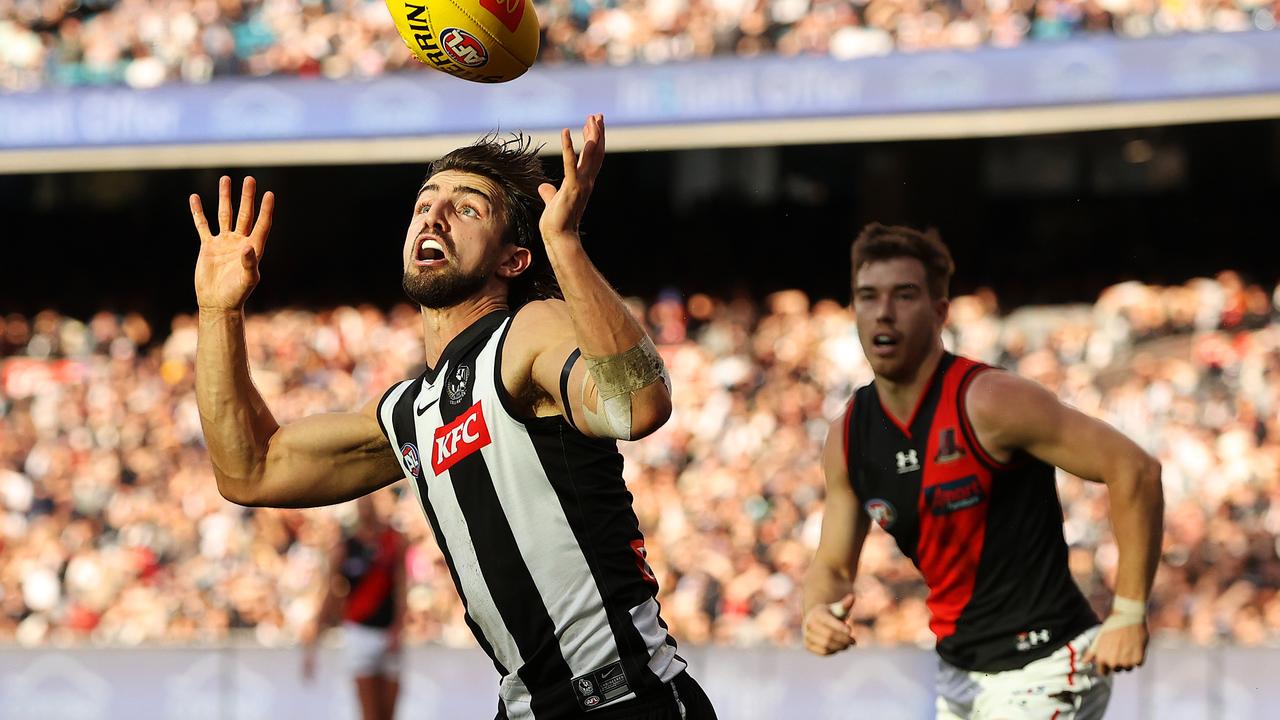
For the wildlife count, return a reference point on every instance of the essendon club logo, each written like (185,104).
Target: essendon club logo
(409,454)
(465,435)
(463,48)
(948,497)
(508,12)
(947,448)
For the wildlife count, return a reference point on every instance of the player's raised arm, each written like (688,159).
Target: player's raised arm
(619,388)
(1010,413)
(320,460)
(828,584)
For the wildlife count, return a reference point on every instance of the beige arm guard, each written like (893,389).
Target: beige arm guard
(1124,613)
(617,378)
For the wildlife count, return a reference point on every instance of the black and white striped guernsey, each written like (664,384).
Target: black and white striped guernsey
(536,525)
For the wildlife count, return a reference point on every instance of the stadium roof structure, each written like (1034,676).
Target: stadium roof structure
(1041,87)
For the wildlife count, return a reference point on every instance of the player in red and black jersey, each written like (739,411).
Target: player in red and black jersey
(366,582)
(956,460)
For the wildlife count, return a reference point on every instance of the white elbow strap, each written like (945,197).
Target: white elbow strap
(617,377)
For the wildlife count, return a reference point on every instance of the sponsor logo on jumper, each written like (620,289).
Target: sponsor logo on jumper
(908,461)
(947,448)
(949,497)
(1032,639)
(409,454)
(423,408)
(882,512)
(460,438)
(508,12)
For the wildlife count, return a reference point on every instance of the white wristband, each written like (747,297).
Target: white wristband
(1124,612)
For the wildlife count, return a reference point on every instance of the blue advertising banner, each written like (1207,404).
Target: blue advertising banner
(428,103)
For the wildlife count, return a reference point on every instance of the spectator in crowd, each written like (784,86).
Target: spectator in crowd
(112,530)
(144,43)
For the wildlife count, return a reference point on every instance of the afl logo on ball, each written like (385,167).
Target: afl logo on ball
(409,454)
(882,512)
(463,48)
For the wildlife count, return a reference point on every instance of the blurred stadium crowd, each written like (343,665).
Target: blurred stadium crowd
(112,530)
(144,43)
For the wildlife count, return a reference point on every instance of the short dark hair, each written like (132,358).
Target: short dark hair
(513,165)
(886,242)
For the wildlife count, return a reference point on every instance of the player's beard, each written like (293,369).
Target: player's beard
(443,287)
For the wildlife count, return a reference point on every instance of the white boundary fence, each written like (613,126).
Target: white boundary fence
(237,683)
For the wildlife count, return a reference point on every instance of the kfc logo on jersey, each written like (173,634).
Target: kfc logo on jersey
(908,461)
(409,455)
(463,48)
(948,497)
(508,12)
(882,512)
(460,438)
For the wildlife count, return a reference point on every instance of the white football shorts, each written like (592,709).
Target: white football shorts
(1057,687)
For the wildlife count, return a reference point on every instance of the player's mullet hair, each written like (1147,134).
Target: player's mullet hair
(885,242)
(512,164)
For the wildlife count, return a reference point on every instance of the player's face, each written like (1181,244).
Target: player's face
(898,322)
(454,241)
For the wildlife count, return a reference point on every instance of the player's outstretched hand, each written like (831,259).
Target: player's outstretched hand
(566,205)
(227,269)
(1120,649)
(828,628)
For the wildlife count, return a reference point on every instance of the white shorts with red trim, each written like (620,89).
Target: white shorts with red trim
(1057,687)
(367,652)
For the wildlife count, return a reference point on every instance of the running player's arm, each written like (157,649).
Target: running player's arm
(319,460)
(326,610)
(623,392)
(400,596)
(1010,413)
(828,584)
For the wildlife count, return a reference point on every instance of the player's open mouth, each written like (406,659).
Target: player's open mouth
(884,343)
(430,254)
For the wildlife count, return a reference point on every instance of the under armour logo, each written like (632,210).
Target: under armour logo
(908,461)
(1034,638)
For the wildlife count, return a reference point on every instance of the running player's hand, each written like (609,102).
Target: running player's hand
(1120,649)
(227,269)
(566,205)
(824,632)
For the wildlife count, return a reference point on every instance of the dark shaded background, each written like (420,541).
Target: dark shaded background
(1041,219)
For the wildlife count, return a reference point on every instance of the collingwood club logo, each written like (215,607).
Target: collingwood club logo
(457,385)
(908,461)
